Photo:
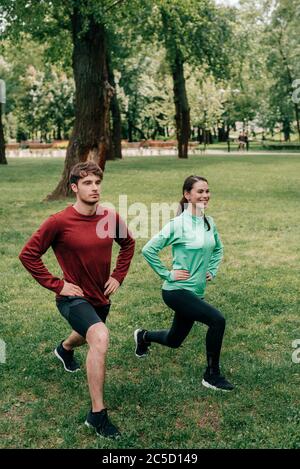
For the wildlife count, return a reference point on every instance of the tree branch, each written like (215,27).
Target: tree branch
(113,5)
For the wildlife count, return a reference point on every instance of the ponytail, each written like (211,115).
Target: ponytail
(181,204)
(207,223)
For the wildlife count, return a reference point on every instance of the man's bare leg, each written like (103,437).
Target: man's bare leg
(64,351)
(97,338)
(74,340)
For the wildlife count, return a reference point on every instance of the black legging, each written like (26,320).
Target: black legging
(188,308)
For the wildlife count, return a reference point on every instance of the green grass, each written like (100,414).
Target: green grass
(159,402)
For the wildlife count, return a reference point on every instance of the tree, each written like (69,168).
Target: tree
(208,99)
(194,32)
(283,56)
(84,24)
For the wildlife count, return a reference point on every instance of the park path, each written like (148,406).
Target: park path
(141,152)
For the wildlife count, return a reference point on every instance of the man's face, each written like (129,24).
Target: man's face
(87,189)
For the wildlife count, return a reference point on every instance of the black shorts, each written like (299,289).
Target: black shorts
(80,314)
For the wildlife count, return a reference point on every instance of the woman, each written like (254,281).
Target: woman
(197,252)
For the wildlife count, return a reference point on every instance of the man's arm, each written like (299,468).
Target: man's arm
(126,242)
(33,250)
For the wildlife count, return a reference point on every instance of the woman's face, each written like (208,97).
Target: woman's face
(199,195)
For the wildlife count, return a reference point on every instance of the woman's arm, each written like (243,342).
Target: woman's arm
(217,254)
(150,251)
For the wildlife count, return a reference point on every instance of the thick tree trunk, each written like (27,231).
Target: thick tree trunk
(90,136)
(3,159)
(116,133)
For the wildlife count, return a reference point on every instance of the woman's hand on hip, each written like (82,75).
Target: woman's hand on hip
(209,277)
(180,274)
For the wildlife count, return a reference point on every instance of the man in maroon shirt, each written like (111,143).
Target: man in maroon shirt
(81,237)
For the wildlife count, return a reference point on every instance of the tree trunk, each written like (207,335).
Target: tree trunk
(132,128)
(290,80)
(90,136)
(286,128)
(130,131)
(297,120)
(182,110)
(182,116)
(199,134)
(59,131)
(3,159)
(116,134)
(222,134)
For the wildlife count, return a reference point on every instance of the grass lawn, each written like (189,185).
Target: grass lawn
(159,402)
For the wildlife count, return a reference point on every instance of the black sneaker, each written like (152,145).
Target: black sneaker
(216,381)
(67,358)
(101,423)
(141,349)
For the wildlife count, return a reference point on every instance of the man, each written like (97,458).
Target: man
(81,237)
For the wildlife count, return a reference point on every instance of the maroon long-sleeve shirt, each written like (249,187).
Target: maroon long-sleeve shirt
(82,245)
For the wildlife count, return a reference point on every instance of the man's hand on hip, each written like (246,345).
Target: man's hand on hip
(111,286)
(69,289)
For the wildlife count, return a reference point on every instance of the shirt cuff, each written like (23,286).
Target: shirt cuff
(117,277)
(171,277)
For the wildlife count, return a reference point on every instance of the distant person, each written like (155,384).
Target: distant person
(241,141)
(197,252)
(83,250)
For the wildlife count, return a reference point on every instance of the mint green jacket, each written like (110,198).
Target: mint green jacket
(194,248)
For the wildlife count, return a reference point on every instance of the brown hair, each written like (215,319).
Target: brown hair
(187,187)
(81,170)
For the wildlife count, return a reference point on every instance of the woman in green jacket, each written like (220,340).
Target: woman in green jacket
(197,252)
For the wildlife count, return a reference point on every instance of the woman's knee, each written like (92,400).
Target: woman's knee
(220,322)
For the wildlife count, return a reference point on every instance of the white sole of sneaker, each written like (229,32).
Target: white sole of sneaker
(210,386)
(136,343)
(87,424)
(59,357)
